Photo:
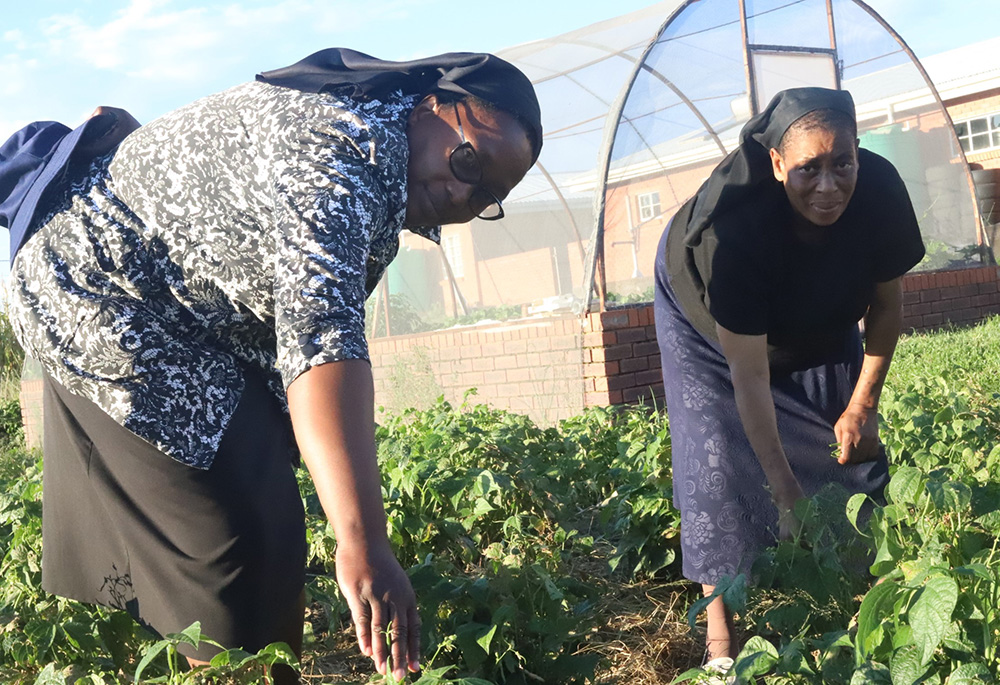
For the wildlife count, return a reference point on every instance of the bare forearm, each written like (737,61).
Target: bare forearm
(332,409)
(883,323)
(756,408)
(747,359)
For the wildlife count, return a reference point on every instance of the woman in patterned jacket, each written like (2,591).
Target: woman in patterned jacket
(197,295)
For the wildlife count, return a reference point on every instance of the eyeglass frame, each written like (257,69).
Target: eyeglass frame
(466,145)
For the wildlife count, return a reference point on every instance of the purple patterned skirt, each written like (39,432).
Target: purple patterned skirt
(727,516)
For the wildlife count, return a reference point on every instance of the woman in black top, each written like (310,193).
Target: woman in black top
(761,280)
(198,293)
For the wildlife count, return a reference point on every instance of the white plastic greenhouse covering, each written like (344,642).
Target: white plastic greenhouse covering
(637,111)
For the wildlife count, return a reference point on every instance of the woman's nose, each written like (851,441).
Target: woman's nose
(826,183)
(459,192)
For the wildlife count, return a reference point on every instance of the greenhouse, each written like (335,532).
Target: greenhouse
(547,311)
(637,111)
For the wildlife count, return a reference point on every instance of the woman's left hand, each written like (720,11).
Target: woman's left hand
(857,433)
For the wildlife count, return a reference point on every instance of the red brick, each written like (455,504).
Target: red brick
(932,319)
(565,371)
(599,339)
(620,382)
(530,388)
(922,308)
(601,383)
(631,335)
(515,347)
(616,352)
(911,298)
(505,361)
(982,301)
(633,317)
(517,375)
(560,357)
(508,390)
(654,361)
(482,364)
(615,319)
(597,399)
(988,287)
(460,366)
(969,290)
(644,394)
(565,342)
(495,377)
(493,349)
(650,377)
(645,349)
(473,379)
(634,364)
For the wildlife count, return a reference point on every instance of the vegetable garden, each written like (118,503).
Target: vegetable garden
(549,554)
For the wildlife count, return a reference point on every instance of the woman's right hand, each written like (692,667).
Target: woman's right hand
(381,598)
(789,525)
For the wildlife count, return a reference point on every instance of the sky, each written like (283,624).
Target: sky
(59,59)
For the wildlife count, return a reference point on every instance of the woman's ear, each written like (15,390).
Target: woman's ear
(429,105)
(778,166)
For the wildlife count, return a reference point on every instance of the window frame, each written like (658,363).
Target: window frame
(991,133)
(651,209)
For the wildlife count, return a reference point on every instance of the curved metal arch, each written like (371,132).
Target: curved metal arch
(980,229)
(595,249)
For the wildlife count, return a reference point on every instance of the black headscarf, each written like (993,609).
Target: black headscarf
(482,75)
(748,166)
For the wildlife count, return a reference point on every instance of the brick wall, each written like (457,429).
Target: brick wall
(624,340)
(621,360)
(552,368)
(960,296)
(533,367)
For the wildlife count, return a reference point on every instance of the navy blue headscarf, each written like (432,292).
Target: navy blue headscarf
(481,75)
(740,174)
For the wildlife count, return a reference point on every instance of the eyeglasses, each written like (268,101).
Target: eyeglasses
(467,169)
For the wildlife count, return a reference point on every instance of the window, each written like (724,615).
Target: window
(649,205)
(452,246)
(977,135)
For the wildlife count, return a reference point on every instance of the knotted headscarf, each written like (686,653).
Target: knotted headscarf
(481,75)
(748,166)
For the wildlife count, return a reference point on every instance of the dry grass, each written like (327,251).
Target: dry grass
(642,639)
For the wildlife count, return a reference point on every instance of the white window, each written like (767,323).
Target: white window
(452,246)
(649,205)
(978,135)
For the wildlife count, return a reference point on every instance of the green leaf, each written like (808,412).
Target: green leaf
(487,639)
(756,658)
(930,615)
(854,505)
(50,676)
(688,676)
(874,608)
(905,667)
(151,653)
(872,673)
(905,485)
(949,496)
(970,674)
(190,635)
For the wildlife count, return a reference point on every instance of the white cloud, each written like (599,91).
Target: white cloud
(158,40)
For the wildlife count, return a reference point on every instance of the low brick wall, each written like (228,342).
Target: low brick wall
(553,368)
(621,357)
(532,366)
(961,296)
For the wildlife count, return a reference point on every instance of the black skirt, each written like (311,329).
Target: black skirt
(126,526)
